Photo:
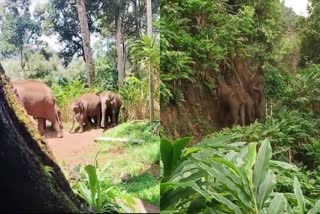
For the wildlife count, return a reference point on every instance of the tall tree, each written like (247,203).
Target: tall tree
(32,181)
(149,31)
(119,42)
(63,21)
(18,29)
(86,40)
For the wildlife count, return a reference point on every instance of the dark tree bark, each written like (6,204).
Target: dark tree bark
(85,33)
(25,183)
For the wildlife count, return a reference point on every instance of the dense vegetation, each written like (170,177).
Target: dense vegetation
(267,167)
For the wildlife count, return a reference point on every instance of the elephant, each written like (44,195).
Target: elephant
(255,88)
(86,107)
(249,102)
(58,112)
(38,100)
(110,107)
(230,99)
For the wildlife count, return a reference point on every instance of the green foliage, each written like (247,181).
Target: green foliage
(197,37)
(145,187)
(106,73)
(309,35)
(18,28)
(68,28)
(287,130)
(222,177)
(135,94)
(303,92)
(135,159)
(99,192)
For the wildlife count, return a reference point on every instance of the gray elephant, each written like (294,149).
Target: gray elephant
(110,108)
(85,108)
(38,100)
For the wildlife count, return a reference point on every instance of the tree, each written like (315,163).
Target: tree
(32,181)
(18,29)
(309,30)
(119,42)
(86,40)
(63,21)
(149,30)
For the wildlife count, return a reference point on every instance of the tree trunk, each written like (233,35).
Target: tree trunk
(86,40)
(22,64)
(120,63)
(149,30)
(26,184)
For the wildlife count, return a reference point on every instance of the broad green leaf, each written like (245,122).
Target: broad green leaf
(196,206)
(277,204)
(229,182)
(265,188)
(315,209)
(299,195)
(93,181)
(250,161)
(219,141)
(262,164)
(233,207)
(178,146)
(166,156)
(284,165)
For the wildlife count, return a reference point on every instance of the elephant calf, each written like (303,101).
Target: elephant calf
(86,107)
(110,107)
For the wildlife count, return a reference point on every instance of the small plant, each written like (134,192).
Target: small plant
(100,193)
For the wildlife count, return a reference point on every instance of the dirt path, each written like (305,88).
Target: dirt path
(74,149)
(80,148)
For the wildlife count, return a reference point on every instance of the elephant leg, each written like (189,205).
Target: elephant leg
(40,125)
(73,120)
(117,116)
(56,126)
(235,115)
(81,124)
(98,121)
(242,114)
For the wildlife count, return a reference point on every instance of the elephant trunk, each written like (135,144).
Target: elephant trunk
(103,114)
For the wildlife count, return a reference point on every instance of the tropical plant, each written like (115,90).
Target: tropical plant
(222,177)
(99,192)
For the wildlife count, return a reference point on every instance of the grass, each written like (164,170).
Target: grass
(145,187)
(121,157)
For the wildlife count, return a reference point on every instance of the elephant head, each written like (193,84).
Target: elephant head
(77,107)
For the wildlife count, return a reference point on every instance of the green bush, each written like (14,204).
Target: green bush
(223,177)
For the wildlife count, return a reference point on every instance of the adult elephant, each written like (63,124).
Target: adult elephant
(255,87)
(110,107)
(231,100)
(38,100)
(87,107)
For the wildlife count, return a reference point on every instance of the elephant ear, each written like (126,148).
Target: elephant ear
(81,106)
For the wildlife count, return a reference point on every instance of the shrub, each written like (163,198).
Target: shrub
(223,177)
